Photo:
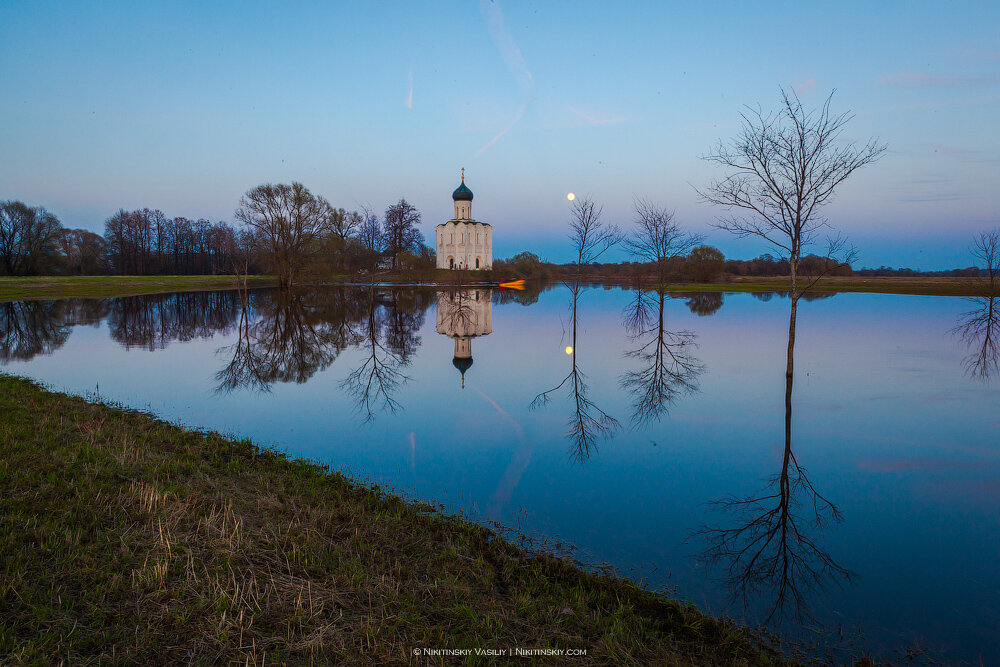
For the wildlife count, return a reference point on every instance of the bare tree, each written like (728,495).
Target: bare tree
(591,236)
(287,221)
(986,250)
(401,233)
(372,238)
(782,169)
(83,252)
(27,238)
(657,237)
(351,224)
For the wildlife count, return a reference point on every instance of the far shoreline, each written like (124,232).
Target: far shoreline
(64,287)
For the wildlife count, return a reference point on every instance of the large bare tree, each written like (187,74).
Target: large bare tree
(782,168)
(401,233)
(657,237)
(287,221)
(372,238)
(591,236)
(27,238)
(986,250)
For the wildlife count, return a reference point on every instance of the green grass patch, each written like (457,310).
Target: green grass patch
(126,539)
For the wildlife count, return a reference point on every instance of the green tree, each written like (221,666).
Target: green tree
(705,264)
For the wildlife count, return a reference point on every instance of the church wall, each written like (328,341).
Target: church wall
(464,242)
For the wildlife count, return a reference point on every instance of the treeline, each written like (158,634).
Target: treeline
(286,230)
(701,264)
(142,242)
(883,271)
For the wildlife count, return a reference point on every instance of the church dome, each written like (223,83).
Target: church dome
(462,364)
(462,193)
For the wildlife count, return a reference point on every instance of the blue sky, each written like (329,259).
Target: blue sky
(185,106)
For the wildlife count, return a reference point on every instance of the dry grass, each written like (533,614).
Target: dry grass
(124,539)
(61,287)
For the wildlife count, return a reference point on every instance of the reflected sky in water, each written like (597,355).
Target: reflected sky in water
(662,430)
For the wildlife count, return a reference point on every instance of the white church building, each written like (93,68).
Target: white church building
(464,243)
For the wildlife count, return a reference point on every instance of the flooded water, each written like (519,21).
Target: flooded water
(844,491)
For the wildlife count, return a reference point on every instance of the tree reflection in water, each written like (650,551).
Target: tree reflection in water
(704,303)
(588,423)
(668,369)
(388,340)
(30,328)
(285,336)
(773,549)
(979,329)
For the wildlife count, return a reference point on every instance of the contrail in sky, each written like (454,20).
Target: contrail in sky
(409,99)
(515,63)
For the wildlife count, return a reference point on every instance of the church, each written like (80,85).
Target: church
(464,243)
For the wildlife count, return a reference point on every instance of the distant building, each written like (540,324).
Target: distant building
(464,243)
(462,316)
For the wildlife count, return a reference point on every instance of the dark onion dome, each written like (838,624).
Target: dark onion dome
(462,364)
(462,193)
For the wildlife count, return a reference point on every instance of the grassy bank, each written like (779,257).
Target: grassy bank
(127,539)
(924,286)
(58,287)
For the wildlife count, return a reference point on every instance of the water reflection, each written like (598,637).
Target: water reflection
(668,369)
(772,551)
(373,384)
(979,329)
(153,321)
(704,303)
(30,328)
(785,294)
(285,336)
(463,315)
(587,423)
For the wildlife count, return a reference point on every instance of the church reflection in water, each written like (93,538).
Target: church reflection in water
(463,315)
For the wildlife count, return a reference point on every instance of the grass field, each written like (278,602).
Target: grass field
(925,286)
(57,287)
(125,539)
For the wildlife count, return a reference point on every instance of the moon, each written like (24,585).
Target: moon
(571,196)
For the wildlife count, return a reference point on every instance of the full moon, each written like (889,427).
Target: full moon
(571,196)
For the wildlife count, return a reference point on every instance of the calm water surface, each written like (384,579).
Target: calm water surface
(856,508)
